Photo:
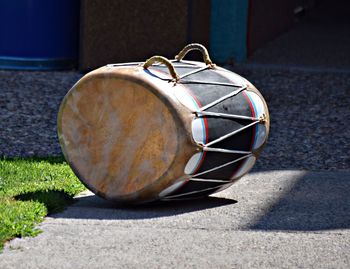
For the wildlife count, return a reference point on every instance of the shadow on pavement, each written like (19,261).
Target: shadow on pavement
(316,201)
(273,200)
(94,207)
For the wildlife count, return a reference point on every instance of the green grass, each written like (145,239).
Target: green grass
(29,190)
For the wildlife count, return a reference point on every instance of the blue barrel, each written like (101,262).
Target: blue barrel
(39,34)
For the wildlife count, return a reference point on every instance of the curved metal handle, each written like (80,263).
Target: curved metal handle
(195,46)
(163,60)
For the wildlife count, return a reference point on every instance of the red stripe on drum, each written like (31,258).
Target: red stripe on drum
(244,162)
(253,115)
(204,119)
(237,79)
(206,129)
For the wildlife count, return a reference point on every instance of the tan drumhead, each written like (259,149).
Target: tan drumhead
(117,135)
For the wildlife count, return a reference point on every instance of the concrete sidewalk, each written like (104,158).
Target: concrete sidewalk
(272,219)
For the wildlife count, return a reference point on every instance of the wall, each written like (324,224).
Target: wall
(268,19)
(127,31)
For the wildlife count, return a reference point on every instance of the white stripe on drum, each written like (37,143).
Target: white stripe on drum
(193,163)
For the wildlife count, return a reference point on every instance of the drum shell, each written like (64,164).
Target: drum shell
(183,117)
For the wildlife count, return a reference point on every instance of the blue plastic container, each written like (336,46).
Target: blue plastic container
(39,34)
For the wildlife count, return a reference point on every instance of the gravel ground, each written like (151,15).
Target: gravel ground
(309,111)
(29,103)
(310,118)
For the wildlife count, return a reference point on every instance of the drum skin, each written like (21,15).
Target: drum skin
(131,135)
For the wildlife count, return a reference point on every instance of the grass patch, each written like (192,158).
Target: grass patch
(29,190)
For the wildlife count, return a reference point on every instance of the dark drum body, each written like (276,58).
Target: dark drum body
(162,130)
(229,125)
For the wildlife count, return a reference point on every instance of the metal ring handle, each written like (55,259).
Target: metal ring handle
(163,60)
(195,46)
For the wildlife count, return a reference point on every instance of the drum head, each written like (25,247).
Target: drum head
(118,136)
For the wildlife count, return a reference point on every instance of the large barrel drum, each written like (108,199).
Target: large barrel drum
(168,130)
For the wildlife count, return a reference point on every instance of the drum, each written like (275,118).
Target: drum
(163,129)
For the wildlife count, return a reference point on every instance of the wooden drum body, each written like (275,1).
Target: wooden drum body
(133,133)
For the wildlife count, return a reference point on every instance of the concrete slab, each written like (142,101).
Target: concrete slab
(271,219)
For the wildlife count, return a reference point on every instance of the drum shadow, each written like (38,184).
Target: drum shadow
(94,207)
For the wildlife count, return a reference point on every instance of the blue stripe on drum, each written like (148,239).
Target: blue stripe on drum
(204,136)
(256,112)
(197,164)
(260,129)
(186,98)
